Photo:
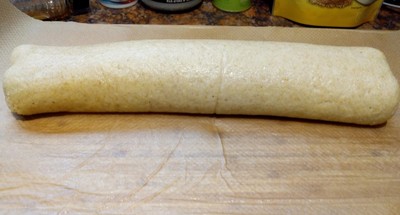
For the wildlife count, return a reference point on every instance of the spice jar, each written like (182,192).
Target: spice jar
(232,5)
(44,9)
(172,5)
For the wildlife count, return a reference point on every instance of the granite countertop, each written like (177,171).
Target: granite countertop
(258,15)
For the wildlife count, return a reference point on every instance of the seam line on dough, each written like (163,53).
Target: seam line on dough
(222,70)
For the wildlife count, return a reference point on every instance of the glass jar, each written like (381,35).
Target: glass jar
(44,9)
(172,5)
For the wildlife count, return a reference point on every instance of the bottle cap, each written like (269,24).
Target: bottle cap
(232,5)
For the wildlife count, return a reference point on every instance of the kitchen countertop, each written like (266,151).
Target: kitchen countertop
(258,15)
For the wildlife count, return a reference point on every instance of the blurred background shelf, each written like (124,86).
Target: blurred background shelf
(258,15)
(206,14)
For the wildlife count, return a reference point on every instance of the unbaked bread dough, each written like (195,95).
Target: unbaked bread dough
(344,84)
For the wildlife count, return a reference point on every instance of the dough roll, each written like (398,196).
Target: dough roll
(343,84)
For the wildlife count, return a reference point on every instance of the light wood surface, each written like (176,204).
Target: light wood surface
(154,163)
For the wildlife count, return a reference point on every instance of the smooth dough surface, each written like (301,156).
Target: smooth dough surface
(344,84)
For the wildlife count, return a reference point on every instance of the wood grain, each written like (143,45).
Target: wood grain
(150,163)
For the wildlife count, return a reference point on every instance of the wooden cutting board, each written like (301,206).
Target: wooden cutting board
(186,164)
